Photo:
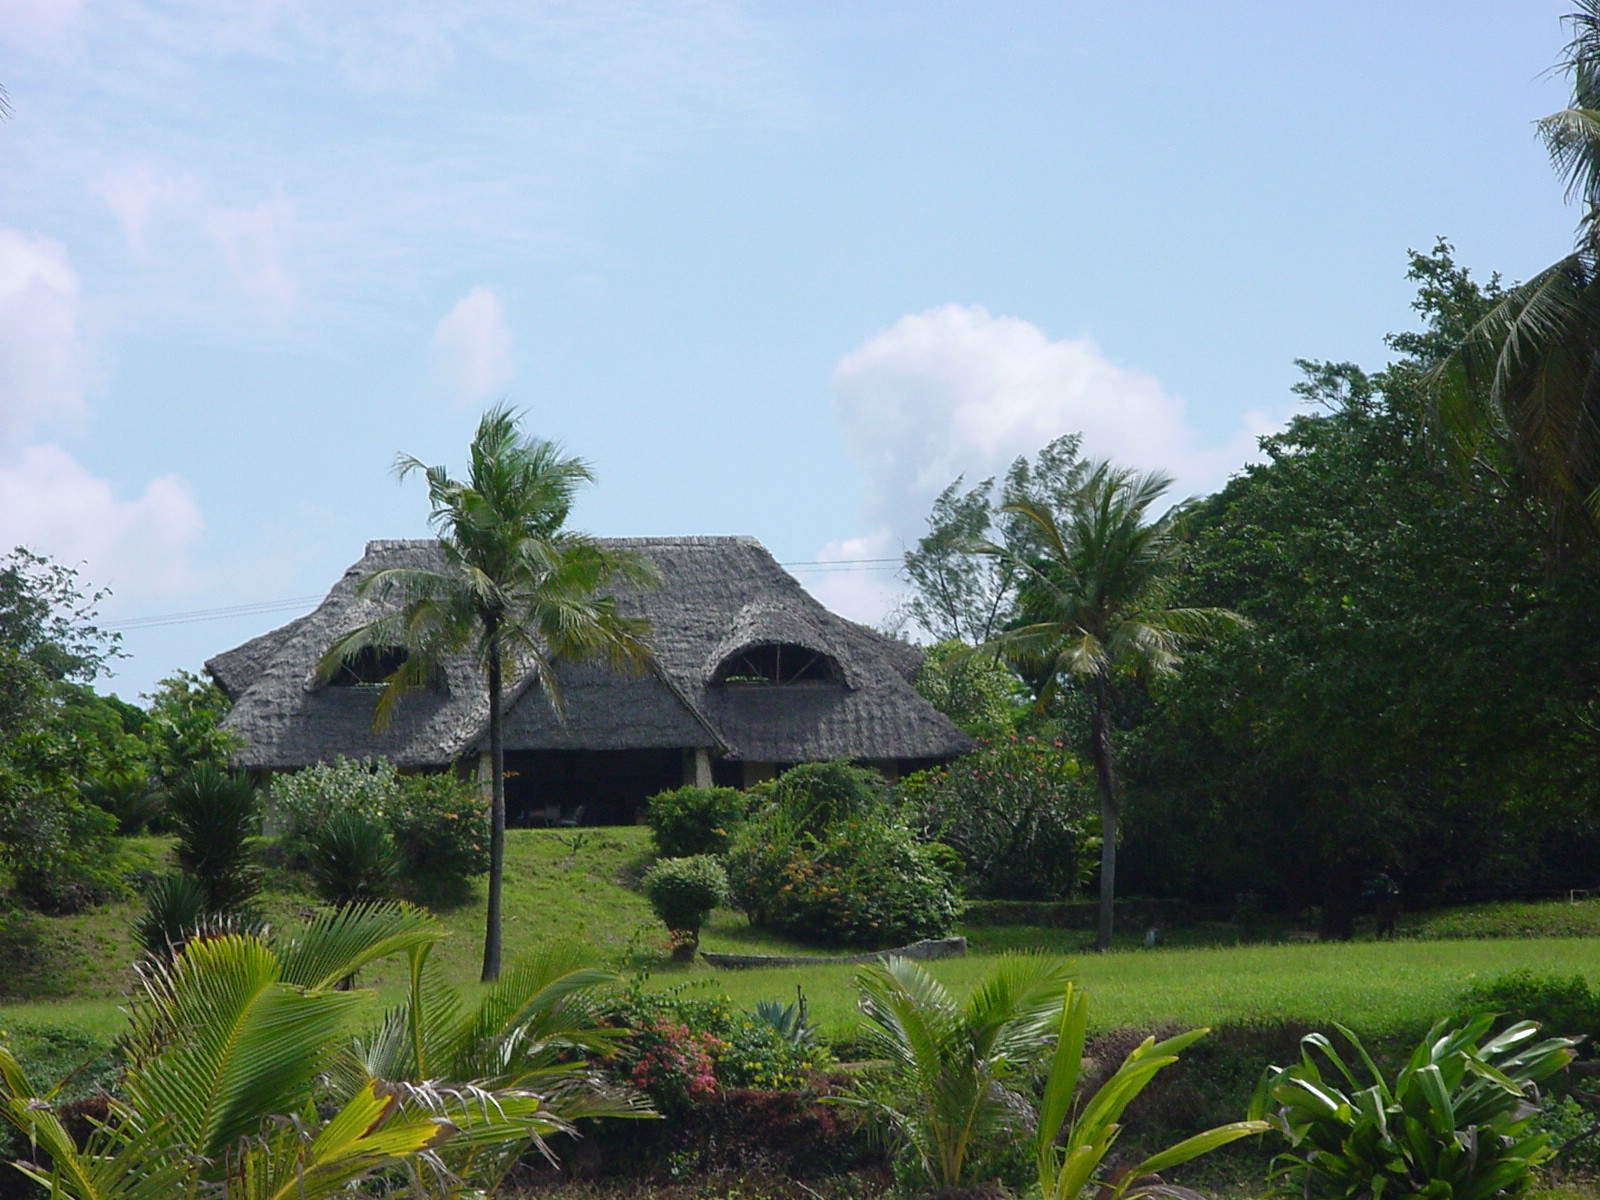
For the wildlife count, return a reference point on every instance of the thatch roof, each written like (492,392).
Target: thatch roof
(717,595)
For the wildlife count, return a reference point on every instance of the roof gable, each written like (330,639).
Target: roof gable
(717,594)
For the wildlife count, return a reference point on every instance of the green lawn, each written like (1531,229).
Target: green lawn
(570,884)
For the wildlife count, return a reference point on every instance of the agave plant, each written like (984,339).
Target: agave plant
(228,1043)
(1075,1134)
(954,1071)
(534,1030)
(1456,1121)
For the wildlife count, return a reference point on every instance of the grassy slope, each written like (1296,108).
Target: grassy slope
(567,884)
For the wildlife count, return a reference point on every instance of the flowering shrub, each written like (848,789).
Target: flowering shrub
(299,802)
(671,1063)
(441,829)
(839,868)
(682,1049)
(1018,811)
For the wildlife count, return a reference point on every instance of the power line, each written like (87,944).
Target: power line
(263,607)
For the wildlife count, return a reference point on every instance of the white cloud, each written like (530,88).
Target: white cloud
(472,348)
(254,242)
(48,500)
(141,546)
(43,362)
(957,390)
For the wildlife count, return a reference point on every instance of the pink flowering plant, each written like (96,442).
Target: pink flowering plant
(1019,811)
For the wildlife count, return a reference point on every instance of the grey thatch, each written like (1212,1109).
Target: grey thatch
(718,596)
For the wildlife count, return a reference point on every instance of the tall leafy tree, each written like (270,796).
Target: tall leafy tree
(957,594)
(517,589)
(1526,375)
(1096,606)
(1415,695)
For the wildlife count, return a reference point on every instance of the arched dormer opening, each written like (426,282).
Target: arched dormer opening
(775,664)
(369,667)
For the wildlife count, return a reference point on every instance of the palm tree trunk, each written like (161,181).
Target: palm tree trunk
(497,812)
(1105,773)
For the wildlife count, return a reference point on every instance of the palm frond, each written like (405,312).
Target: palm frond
(338,943)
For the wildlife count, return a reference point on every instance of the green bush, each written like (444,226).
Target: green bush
(695,820)
(440,826)
(353,859)
(821,793)
(830,860)
(1018,811)
(683,891)
(1456,1120)
(1563,1004)
(59,849)
(216,816)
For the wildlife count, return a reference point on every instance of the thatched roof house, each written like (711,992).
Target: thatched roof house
(751,675)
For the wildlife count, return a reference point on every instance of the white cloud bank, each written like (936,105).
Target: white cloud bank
(42,357)
(472,348)
(50,502)
(957,390)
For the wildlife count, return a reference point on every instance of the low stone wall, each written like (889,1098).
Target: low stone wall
(953,947)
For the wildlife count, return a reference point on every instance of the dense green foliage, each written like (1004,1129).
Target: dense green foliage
(1454,1121)
(831,859)
(1415,694)
(436,824)
(1561,1004)
(217,818)
(695,820)
(1018,813)
(976,691)
(174,909)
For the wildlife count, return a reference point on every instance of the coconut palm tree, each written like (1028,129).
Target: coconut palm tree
(1527,375)
(1096,606)
(955,1070)
(516,588)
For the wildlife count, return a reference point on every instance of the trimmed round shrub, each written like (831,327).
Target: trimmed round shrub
(683,891)
(695,820)
(353,859)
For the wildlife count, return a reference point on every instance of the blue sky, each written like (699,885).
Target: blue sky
(775,269)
